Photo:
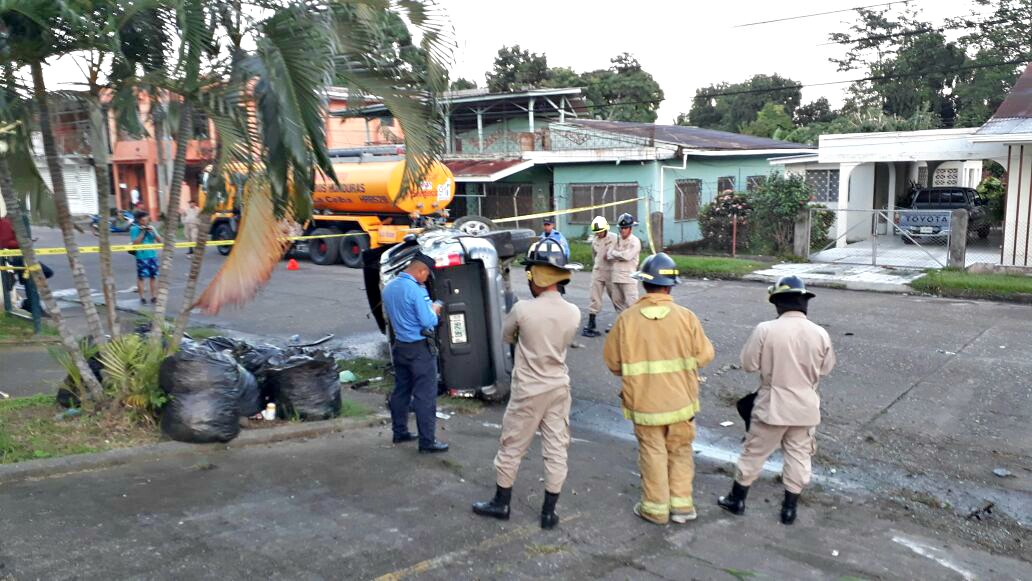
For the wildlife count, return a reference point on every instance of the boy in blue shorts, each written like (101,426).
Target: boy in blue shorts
(143,232)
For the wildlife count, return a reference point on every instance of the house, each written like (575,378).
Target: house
(864,176)
(527,152)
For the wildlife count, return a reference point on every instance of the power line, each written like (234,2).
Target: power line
(967,24)
(821,13)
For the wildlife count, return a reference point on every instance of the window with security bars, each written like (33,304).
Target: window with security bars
(507,200)
(582,195)
(753,183)
(726,183)
(824,183)
(686,199)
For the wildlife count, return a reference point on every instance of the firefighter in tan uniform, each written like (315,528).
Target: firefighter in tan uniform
(624,255)
(791,354)
(657,347)
(542,330)
(601,272)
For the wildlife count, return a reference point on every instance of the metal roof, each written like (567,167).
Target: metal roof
(688,137)
(479,97)
(485,170)
(1019,101)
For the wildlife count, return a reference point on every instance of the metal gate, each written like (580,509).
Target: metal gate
(897,238)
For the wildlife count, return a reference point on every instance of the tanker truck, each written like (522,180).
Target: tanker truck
(367,204)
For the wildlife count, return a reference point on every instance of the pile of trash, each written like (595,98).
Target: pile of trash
(213,383)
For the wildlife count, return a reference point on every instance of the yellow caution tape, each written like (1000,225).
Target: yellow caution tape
(159,246)
(562,212)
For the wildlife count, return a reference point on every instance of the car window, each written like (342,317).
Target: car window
(954,197)
(924,198)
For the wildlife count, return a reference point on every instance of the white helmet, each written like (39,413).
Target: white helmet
(599,224)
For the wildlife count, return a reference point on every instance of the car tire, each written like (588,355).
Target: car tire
(222,231)
(474,225)
(983,232)
(907,240)
(324,251)
(351,248)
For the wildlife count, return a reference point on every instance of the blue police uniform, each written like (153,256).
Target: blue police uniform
(410,312)
(558,237)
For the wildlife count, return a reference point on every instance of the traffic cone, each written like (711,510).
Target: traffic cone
(292,265)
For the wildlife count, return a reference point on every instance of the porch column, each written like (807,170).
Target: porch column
(841,216)
(116,186)
(1017,227)
(530,114)
(480,130)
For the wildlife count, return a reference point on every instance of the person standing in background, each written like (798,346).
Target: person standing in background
(143,232)
(191,223)
(624,255)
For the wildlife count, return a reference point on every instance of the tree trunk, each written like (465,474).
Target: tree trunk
(191,280)
(159,138)
(64,216)
(99,147)
(172,217)
(93,388)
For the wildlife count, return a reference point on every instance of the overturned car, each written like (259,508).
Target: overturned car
(471,278)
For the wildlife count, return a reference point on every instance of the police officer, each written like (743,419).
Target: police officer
(601,273)
(541,329)
(624,255)
(657,347)
(791,354)
(549,231)
(413,318)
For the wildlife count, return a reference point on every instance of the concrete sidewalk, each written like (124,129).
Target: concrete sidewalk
(354,506)
(843,276)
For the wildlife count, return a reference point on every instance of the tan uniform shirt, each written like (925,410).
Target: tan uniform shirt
(602,268)
(542,330)
(792,354)
(624,255)
(191,216)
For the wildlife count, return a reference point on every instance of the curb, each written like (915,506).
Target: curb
(55,467)
(842,285)
(29,341)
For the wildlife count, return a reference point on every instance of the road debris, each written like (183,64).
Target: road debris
(443,416)
(834,553)
(726,424)
(945,352)
(985,510)
(1003,473)
(4,395)
(347,376)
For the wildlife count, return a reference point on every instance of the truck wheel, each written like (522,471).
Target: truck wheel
(324,251)
(983,232)
(474,225)
(351,248)
(223,232)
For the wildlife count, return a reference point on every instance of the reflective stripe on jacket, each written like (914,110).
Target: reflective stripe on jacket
(657,347)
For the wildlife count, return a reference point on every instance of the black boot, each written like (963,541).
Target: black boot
(788,508)
(497,507)
(590,330)
(549,519)
(735,502)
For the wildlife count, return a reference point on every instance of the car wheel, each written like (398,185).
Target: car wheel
(351,248)
(907,240)
(474,225)
(983,232)
(324,251)
(223,232)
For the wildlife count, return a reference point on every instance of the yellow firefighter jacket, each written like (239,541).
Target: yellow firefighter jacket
(657,346)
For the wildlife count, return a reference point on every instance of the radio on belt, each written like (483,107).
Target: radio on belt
(471,281)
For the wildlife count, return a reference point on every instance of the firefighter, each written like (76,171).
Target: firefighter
(657,347)
(601,272)
(624,255)
(791,354)
(541,330)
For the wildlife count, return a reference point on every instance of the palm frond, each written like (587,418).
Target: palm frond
(259,248)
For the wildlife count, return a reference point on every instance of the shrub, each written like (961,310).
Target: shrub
(994,191)
(717,217)
(776,205)
(821,220)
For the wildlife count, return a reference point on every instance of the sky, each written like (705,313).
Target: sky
(684,44)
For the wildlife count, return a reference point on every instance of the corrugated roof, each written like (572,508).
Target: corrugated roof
(1019,101)
(690,137)
(485,170)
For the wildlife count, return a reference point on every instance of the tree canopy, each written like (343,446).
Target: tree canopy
(732,106)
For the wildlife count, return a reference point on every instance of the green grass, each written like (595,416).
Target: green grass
(31,428)
(957,283)
(353,409)
(202,333)
(463,406)
(16,328)
(365,368)
(690,266)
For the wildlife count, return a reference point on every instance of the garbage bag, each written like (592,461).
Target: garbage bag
(222,344)
(202,417)
(255,358)
(251,401)
(207,392)
(69,395)
(305,384)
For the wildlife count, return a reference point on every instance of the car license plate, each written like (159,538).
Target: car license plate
(927,229)
(457,326)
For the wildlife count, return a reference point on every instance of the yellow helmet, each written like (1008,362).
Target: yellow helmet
(599,224)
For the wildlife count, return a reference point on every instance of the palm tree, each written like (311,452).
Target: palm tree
(34,32)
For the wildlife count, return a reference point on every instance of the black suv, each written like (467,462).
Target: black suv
(920,225)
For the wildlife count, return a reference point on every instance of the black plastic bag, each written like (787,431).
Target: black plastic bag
(251,401)
(222,344)
(202,417)
(745,407)
(206,395)
(304,384)
(255,358)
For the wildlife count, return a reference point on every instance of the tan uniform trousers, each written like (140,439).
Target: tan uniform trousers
(798,444)
(548,412)
(624,294)
(599,289)
(667,469)
(190,231)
